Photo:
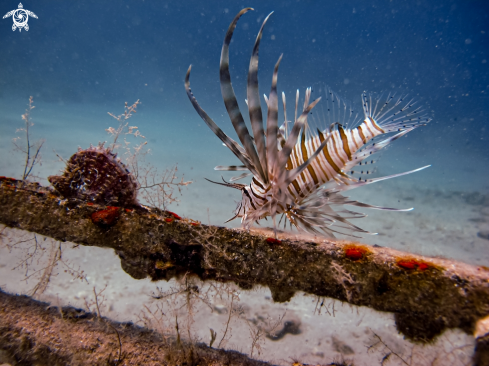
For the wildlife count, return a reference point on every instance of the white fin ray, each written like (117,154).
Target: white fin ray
(231,168)
(241,176)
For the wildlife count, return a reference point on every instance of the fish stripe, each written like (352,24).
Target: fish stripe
(291,192)
(319,162)
(323,164)
(257,195)
(293,174)
(357,139)
(376,126)
(272,123)
(351,142)
(258,183)
(362,135)
(297,187)
(310,169)
(250,198)
(327,155)
(344,139)
(229,97)
(370,129)
(254,106)
(229,142)
(302,154)
(337,152)
(231,168)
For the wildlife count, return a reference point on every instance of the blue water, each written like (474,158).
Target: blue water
(80,60)
(91,52)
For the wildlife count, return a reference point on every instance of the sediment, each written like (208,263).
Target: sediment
(37,333)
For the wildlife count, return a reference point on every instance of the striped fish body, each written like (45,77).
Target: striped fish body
(328,166)
(338,156)
(298,173)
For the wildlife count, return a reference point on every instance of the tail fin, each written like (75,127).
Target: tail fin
(394,114)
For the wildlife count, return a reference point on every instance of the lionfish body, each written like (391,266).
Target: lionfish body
(298,172)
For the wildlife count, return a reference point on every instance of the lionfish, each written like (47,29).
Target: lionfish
(297,172)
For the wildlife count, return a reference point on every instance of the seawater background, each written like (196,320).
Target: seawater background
(81,60)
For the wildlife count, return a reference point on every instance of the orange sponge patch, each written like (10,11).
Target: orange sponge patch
(356,252)
(106,217)
(174,215)
(412,264)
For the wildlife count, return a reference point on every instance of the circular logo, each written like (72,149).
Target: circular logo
(20,18)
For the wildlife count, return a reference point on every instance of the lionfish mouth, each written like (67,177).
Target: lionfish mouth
(297,172)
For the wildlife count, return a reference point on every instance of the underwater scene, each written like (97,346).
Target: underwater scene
(271,182)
